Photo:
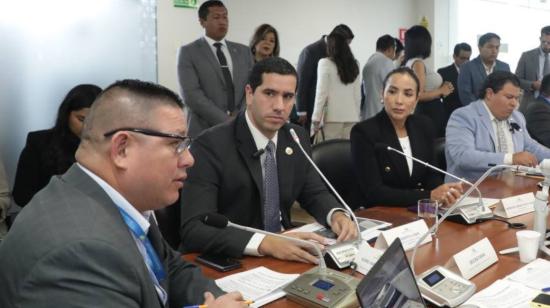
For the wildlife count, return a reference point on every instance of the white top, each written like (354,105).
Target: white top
(343,100)
(406,147)
(224,50)
(433,79)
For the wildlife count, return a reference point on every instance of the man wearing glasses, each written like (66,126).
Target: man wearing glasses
(89,238)
(251,171)
(532,67)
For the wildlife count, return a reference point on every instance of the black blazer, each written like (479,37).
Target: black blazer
(227,179)
(383,175)
(452,101)
(537,117)
(37,164)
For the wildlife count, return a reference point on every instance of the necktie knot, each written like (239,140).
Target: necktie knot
(270,147)
(218,45)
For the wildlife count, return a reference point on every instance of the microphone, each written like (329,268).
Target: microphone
(258,153)
(220,221)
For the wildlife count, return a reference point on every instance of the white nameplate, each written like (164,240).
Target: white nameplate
(366,257)
(516,205)
(409,234)
(474,259)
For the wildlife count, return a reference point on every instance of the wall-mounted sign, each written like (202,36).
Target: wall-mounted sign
(185,3)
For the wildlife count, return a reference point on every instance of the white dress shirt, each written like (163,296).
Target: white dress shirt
(508,157)
(224,50)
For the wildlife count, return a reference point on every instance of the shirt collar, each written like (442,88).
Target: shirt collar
(142,219)
(211,41)
(491,116)
(259,139)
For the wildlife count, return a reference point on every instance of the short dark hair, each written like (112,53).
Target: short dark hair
(204,8)
(487,37)
(545,85)
(496,81)
(344,31)
(145,89)
(404,71)
(259,35)
(385,42)
(461,46)
(545,31)
(418,43)
(273,65)
(398,45)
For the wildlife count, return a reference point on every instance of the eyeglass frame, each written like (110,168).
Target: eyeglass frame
(184,144)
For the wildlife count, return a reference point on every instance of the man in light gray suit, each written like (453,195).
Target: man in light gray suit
(490,131)
(212,71)
(89,238)
(374,72)
(532,67)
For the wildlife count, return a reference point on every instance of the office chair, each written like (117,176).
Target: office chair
(168,219)
(439,153)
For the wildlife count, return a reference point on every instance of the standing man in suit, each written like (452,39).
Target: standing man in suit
(473,73)
(212,71)
(251,171)
(374,73)
(537,114)
(532,67)
(461,55)
(307,73)
(491,131)
(89,238)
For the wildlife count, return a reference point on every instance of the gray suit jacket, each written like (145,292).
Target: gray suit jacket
(374,72)
(527,72)
(471,142)
(69,247)
(202,84)
(471,77)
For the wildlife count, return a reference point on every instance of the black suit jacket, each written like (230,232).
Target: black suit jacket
(227,179)
(307,76)
(383,175)
(452,101)
(537,118)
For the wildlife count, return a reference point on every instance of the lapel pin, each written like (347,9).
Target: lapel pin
(289,151)
(387,169)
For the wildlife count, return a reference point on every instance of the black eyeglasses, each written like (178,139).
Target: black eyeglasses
(184,144)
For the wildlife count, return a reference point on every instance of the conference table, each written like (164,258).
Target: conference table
(451,238)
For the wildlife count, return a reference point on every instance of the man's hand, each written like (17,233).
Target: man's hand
(302,119)
(230,300)
(524,159)
(286,250)
(343,226)
(535,85)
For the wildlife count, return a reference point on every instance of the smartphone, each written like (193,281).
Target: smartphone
(541,301)
(220,263)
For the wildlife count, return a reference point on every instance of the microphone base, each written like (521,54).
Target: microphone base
(341,255)
(463,220)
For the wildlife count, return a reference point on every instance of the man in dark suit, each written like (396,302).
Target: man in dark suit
(307,73)
(537,115)
(212,71)
(533,65)
(461,55)
(251,171)
(473,73)
(89,238)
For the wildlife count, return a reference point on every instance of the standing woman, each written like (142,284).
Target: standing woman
(338,94)
(388,178)
(418,45)
(51,152)
(264,43)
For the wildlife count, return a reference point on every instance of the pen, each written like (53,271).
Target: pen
(247,302)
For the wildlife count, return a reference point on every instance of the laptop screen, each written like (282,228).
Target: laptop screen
(390,282)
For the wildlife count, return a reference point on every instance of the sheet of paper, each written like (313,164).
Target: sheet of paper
(535,275)
(255,283)
(488,202)
(502,294)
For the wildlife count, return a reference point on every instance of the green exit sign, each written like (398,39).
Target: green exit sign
(185,3)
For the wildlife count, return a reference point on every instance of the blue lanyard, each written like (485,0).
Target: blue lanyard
(152,258)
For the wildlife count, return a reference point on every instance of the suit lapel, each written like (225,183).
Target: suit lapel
(247,148)
(418,148)
(285,168)
(211,58)
(486,121)
(481,68)
(390,136)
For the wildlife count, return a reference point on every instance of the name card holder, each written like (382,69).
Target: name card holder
(409,234)
(366,257)
(474,259)
(516,205)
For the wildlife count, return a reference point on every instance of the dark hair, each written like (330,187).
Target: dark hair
(206,5)
(344,31)
(339,52)
(146,89)
(385,42)
(496,81)
(60,153)
(404,71)
(398,45)
(273,65)
(545,85)
(259,35)
(461,46)
(418,43)
(545,31)
(487,37)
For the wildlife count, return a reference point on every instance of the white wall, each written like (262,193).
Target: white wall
(299,23)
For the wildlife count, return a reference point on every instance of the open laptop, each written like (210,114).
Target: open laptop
(390,283)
